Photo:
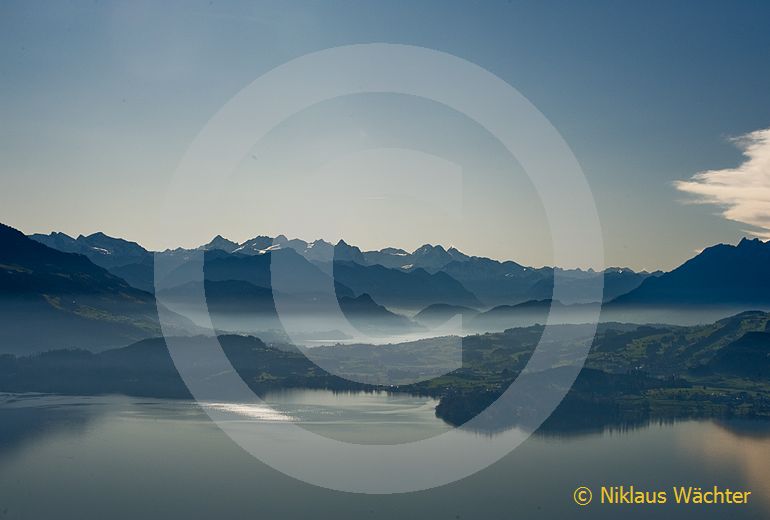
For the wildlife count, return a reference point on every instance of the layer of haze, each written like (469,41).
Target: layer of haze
(100,100)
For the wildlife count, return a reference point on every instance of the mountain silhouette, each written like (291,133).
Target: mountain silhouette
(439,313)
(406,289)
(722,275)
(103,250)
(237,305)
(49,298)
(221,243)
(733,277)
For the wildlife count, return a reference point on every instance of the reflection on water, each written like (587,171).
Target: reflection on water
(745,444)
(357,417)
(118,457)
(251,411)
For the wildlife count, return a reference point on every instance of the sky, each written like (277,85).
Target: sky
(664,104)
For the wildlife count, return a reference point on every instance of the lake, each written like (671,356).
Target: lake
(121,457)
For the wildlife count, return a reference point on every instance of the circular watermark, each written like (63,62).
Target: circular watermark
(522,130)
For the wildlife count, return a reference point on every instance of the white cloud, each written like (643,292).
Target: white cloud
(742,192)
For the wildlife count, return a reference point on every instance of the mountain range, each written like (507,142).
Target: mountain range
(429,274)
(721,275)
(237,305)
(50,298)
(96,291)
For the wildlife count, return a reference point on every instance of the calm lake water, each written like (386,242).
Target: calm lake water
(118,457)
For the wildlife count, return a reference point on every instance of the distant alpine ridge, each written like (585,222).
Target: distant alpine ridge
(392,276)
(98,291)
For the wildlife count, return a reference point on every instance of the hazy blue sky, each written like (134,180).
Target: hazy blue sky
(99,100)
